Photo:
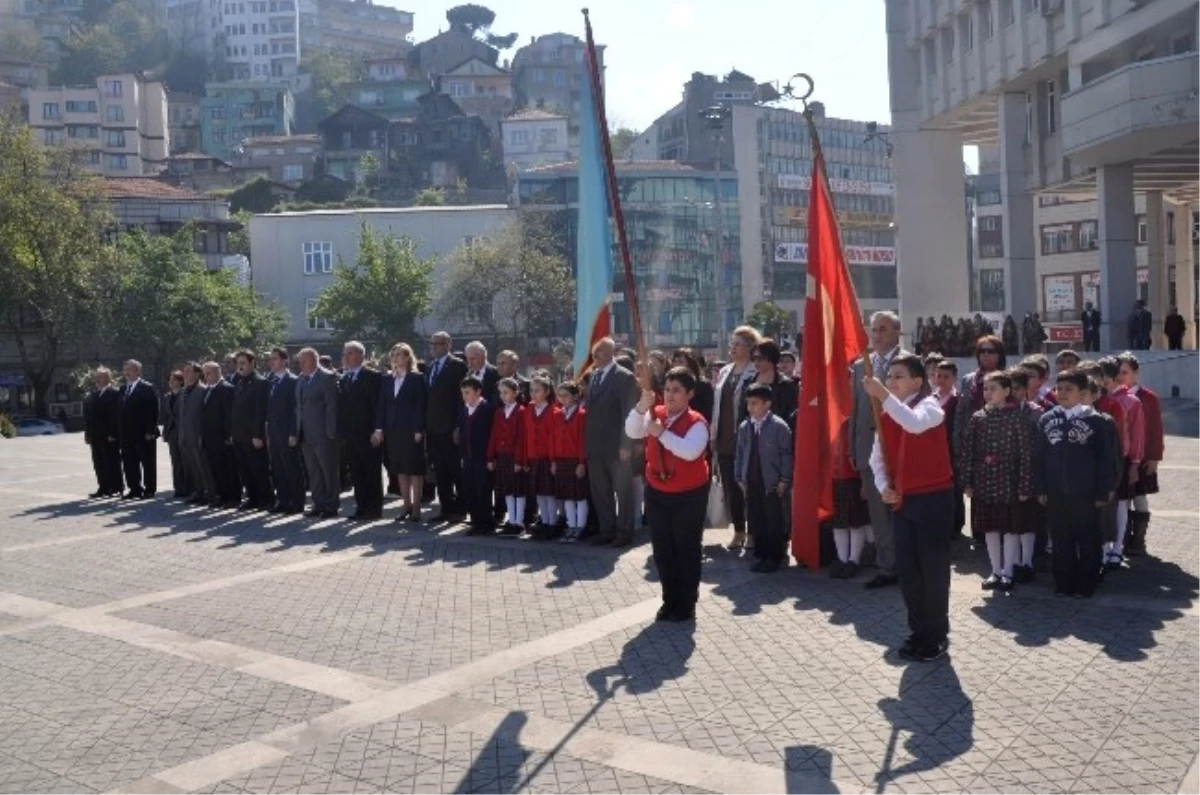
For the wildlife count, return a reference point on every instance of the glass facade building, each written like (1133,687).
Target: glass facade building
(688,274)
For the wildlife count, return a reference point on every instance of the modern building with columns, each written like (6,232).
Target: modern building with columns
(1091,100)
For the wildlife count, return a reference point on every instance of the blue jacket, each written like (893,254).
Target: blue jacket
(403,412)
(281,406)
(774,451)
(1076,456)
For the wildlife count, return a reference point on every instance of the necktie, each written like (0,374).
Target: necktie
(274,383)
(437,368)
(599,379)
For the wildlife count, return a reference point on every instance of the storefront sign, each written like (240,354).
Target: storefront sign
(798,216)
(1060,293)
(1064,332)
(855,255)
(856,186)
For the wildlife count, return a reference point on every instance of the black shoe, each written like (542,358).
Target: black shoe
(247,506)
(329,514)
(835,570)
(95,495)
(663,614)
(602,539)
(770,566)
(131,495)
(146,495)
(1023,574)
(276,508)
(881,581)
(313,513)
(849,570)
(198,500)
(991,583)
(511,531)
(294,510)
(1006,585)
(231,505)
(757,566)
(933,651)
(680,615)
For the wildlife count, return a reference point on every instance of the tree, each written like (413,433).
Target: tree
(52,247)
(430,197)
(186,72)
(382,294)
(471,18)
(239,240)
(255,196)
(166,306)
(622,139)
(327,189)
(91,51)
(516,284)
(331,73)
(19,45)
(770,319)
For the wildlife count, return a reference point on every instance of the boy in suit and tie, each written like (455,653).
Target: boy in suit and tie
(764,472)
(472,436)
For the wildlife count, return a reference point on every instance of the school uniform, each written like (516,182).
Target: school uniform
(995,466)
(1139,516)
(764,460)
(1033,513)
(918,458)
(540,426)
(474,435)
(569,452)
(506,452)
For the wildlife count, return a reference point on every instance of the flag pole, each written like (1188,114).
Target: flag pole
(868,366)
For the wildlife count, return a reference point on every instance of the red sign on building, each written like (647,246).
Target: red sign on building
(1065,332)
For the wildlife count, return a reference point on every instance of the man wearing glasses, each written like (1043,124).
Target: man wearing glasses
(444,376)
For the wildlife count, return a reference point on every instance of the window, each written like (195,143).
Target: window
(1051,101)
(988,198)
(81,106)
(315,323)
(50,110)
(991,250)
(1028,116)
(1143,230)
(293,173)
(216,113)
(947,45)
(1170,229)
(318,258)
(989,223)
(560,78)
(539,75)
(459,88)
(114,113)
(1058,239)
(519,137)
(966,32)
(985,20)
(1007,12)
(347,140)
(118,162)
(1087,235)
(94,157)
(52,136)
(991,290)
(368,97)
(112,88)
(548,136)
(114,138)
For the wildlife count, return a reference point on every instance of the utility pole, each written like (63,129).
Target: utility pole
(714,118)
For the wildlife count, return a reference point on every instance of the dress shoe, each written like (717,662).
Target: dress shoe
(770,566)
(881,581)
(511,531)
(231,505)
(294,510)
(663,614)
(276,508)
(95,495)
(680,615)
(215,502)
(329,514)
(622,541)
(131,495)
(313,513)
(247,506)
(415,515)
(146,495)
(199,499)
(602,539)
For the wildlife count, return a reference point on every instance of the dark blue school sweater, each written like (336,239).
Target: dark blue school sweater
(1076,456)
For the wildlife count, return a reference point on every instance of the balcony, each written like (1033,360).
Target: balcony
(1132,112)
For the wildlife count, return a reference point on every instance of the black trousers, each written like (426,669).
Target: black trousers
(254,472)
(922,530)
(139,459)
(1175,342)
(1074,524)
(733,493)
(445,459)
(223,465)
(181,484)
(676,530)
(1091,341)
(366,475)
(106,461)
(286,476)
(764,512)
(476,494)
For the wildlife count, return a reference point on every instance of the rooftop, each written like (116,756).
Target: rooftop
(275,140)
(623,166)
(529,114)
(387,210)
(142,188)
(194,156)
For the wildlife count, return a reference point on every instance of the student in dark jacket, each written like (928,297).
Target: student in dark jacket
(282,449)
(138,424)
(444,376)
(101,431)
(705,397)
(400,428)
(1075,473)
(473,434)
(217,437)
(249,432)
(357,407)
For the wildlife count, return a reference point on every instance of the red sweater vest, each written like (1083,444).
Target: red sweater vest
(568,435)
(508,435)
(539,432)
(918,463)
(681,475)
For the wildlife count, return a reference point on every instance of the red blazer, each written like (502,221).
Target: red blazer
(568,435)
(1152,417)
(539,432)
(508,435)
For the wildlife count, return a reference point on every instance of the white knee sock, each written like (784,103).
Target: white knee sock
(1118,546)
(994,552)
(581,514)
(510,505)
(1141,504)
(547,510)
(1028,541)
(841,537)
(1012,551)
(858,537)
(519,516)
(572,520)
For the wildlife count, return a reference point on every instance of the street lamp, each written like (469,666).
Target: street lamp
(873,134)
(714,118)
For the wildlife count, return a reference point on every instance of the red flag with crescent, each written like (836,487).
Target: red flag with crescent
(834,336)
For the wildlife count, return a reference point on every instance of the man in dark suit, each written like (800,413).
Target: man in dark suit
(138,425)
(1090,319)
(445,375)
(479,367)
(189,419)
(249,432)
(612,394)
(281,429)
(507,363)
(357,407)
(101,431)
(317,433)
(218,437)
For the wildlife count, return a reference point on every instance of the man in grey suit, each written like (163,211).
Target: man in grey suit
(885,345)
(189,419)
(316,433)
(612,394)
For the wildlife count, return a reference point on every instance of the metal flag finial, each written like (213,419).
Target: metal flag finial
(789,89)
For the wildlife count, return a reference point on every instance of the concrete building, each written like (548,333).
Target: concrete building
(772,157)
(548,73)
(480,89)
(184,122)
(391,88)
(121,122)
(288,159)
(1094,100)
(23,74)
(294,255)
(234,112)
(246,40)
(688,276)
(356,28)
(534,137)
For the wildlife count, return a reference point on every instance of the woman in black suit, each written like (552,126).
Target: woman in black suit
(400,425)
(785,392)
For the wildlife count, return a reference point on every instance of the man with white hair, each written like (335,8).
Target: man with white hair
(100,432)
(217,437)
(316,433)
(479,366)
(358,403)
(612,394)
(138,425)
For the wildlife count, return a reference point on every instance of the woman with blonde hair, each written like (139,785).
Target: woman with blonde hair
(728,412)
(400,425)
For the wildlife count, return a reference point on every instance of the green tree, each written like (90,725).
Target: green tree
(770,319)
(430,197)
(256,196)
(382,294)
(239,239)
(622,139)
(166,306)
(331,73)
(20,45)
(52,221)
(89,52)
(471,18)
(516,284)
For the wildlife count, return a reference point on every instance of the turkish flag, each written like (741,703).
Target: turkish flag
(834,337)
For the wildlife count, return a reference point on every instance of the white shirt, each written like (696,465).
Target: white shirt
(480,372)
(689,447)
(509,409)
(880,361)
(397,381)
(924,416)
(540,410)
(131,385)
(601,374)
(471,408)
(569,411)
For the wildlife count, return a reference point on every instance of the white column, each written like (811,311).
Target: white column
(1118,257)
(1156,262)
(1185,272)
(1020,276)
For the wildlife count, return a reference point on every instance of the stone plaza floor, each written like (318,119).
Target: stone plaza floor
(153,647)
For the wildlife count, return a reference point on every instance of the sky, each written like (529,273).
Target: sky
(653,46)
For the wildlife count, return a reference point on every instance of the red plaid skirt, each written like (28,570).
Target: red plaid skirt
(997,517)
(1125,490)
(541,481)
(508,482)
(566,485)
(1147,483)
(849,508)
